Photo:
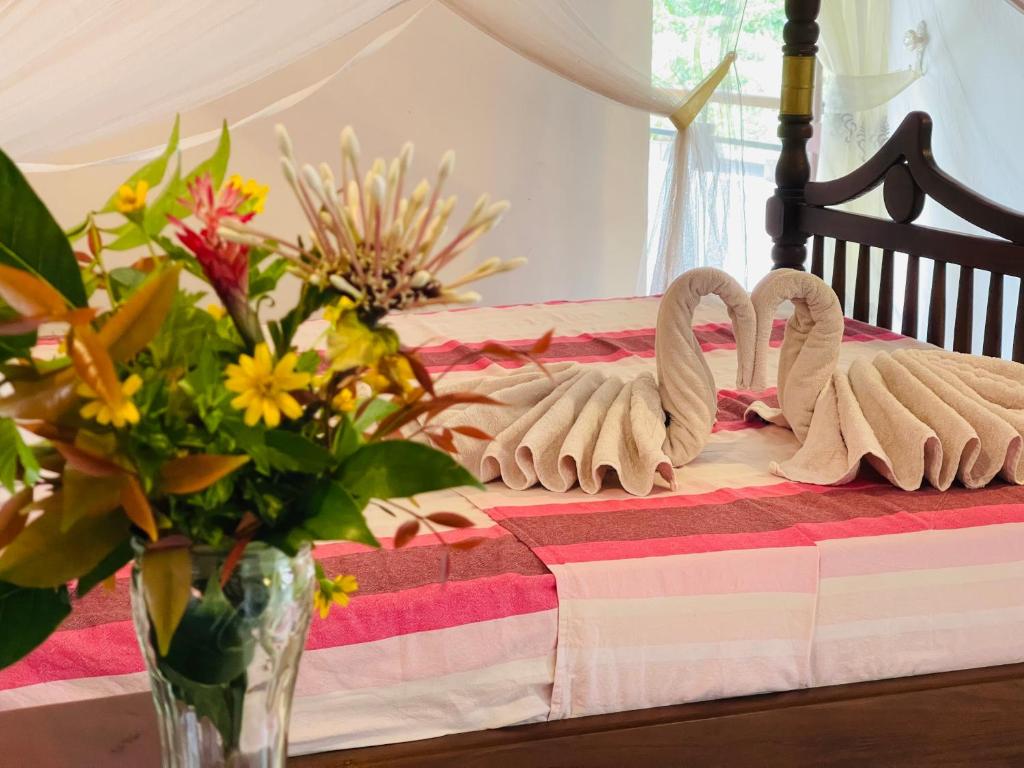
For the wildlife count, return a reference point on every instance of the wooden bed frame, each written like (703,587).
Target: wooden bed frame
(904,166)
(965,718)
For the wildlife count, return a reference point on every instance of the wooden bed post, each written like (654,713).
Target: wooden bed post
(794,169)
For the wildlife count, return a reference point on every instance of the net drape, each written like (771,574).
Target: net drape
(81,70)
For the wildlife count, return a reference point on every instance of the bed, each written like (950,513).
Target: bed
(595,617)
(739,620)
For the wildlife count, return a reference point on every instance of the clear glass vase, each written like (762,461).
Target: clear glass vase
(223,692)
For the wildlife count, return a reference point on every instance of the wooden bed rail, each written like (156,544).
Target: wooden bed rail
(905,168)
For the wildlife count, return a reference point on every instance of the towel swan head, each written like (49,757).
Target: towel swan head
(687,388)
(810,350)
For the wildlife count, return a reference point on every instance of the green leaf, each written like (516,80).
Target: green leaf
(331,513)
(129,235)
(291,452)
(124,280)
(14,453)
(223,705)
(398,469)
(31,239)
(216,164)
(152,172)
(347,440)
(15,346)
(309,361)
(45,556)
(107,567)
(378,409)
(166,202)
(267,280)
(28,617)
(211,645)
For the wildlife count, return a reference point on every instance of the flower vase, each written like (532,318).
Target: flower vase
(223,691)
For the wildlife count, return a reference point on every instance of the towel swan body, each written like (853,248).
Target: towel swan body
(915,415)
(575,424)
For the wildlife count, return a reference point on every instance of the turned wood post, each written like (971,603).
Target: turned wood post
(794,169)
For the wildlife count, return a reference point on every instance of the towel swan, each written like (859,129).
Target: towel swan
(576,423)
(915,415)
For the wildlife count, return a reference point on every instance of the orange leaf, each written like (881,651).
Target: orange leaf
(48,431)
(167,585)
(145,264)
(543,343)
(231,561)
(12,521)
(87,463)
(406,532)
(443,440)
(140,317)
(44,399)
(476,434)
(94,366)
(22,325)
(190,474)
(450,519)
(136,506)
(466,544)
(420,371)
(29,295)
(88,495)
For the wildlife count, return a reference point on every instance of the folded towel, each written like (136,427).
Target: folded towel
(688,392)
(578,425)
(914,415)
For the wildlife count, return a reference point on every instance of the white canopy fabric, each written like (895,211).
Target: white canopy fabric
(80,70)
(77,70)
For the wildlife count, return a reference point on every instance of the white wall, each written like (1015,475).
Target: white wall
(974,90)
(573,164)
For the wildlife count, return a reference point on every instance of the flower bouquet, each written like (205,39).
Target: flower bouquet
(200,443)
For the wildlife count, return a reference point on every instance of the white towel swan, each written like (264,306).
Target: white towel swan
(914,415)
(577,424)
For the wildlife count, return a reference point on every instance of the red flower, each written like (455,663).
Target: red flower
(225,263)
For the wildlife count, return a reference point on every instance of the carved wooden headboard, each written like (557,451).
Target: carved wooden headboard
(801,210)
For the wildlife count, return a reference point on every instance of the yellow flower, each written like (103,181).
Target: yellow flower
(375,380)
(130,200)
(119,414)
(344,401)
(350,343)
(216,310)
(253,190)
(397,370)
(336,590)
(263,387)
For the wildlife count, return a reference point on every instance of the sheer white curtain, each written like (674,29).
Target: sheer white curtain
(694,200)
(858,83)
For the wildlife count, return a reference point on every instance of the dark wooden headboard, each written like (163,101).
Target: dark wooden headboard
(801,210)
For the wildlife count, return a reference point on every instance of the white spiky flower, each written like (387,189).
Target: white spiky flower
(373,243)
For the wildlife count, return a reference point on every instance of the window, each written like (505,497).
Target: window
(749,142)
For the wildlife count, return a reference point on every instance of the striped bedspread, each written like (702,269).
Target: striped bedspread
(742,582)
(739,582)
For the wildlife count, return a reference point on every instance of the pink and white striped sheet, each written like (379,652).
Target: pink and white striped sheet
(410,658)
(743,582)
(739,582)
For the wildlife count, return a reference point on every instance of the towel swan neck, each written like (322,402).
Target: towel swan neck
(810,347)
(685,383)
